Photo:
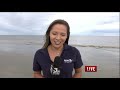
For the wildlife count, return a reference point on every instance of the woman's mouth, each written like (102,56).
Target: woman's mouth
(57,42)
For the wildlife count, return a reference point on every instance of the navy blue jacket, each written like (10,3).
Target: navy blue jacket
(71,58)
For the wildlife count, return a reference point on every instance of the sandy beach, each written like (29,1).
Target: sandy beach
(16,58)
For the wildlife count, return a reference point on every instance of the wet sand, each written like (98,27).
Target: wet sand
(16,58)
(106,60)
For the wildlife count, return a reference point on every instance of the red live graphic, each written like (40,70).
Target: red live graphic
(90,68)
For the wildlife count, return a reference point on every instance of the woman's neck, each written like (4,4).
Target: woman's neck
(58,51)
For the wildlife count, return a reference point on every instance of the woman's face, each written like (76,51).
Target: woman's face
(58,35)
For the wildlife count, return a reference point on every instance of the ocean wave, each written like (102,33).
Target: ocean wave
(96,46)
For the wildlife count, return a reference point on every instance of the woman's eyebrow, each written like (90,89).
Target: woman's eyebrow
(63,33)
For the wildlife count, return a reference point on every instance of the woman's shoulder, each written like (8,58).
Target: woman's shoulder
(40,51)
(71,48)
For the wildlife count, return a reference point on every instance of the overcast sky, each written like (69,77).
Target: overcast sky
(81,23)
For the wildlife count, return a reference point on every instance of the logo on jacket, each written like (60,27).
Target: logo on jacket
(68,60)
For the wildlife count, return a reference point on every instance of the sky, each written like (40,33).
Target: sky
(81,23)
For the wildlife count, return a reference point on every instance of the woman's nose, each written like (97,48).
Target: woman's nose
(58,37)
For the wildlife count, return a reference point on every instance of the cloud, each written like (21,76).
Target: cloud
(23,23)
(36,23)
(85,22)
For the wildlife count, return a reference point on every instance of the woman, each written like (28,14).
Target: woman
(57,37)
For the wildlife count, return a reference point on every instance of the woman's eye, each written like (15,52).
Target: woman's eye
(54,33)
(63,34)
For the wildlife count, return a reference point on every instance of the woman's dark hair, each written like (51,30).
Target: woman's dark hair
(47,35)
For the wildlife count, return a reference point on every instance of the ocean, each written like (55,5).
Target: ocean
(74,40)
